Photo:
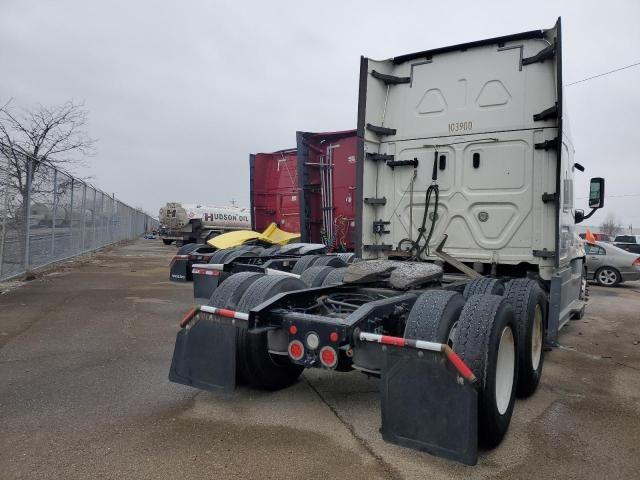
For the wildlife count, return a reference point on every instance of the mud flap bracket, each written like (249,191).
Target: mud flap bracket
(205,354)
(427,406)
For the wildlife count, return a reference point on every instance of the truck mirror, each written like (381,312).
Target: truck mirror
(578,215)
(596,193)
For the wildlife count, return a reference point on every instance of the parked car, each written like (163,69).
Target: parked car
(609,265)
(630,243)
(627,239)
(629,247)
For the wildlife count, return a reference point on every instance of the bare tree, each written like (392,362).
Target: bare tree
(39,137)
(611,225)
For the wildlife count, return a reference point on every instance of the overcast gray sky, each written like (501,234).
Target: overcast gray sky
(179,93)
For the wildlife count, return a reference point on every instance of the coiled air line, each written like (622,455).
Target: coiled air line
(415,248)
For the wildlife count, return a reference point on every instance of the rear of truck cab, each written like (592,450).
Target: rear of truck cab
(482,124)
(491,133)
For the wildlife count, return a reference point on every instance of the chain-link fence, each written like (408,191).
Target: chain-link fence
(46,216)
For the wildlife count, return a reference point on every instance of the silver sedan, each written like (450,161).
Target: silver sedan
(609,265)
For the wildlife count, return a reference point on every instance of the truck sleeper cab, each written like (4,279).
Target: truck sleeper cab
(465,224)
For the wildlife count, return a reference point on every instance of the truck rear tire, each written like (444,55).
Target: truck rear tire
(229,293)
(303,263)
(314,276)
(483,286)
(335,277)
(166,241)
(434,317)
(220,255)
(330,261)
(257,249)
(257,366)
(487,341)
(530,306)
(188,248)
(348,257)
(238,253)
(267,252)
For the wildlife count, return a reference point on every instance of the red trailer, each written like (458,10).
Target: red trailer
(327,180)
(274,190)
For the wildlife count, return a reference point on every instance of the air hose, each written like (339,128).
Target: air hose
(416,249)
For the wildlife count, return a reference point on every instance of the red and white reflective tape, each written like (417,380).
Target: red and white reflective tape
(457,362)
(205,271)
(223,312)
(401,342)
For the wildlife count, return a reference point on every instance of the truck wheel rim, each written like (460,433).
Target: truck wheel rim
(607,277)
(505,369)
(536,338)
(453,335)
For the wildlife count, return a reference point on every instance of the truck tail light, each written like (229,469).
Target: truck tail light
(296,349)
(328,357)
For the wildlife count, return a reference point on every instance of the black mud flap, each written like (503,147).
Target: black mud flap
(427,406)
(205,354)
(180,270)
(205,284)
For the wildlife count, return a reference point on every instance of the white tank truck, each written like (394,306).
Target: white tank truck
(197,223)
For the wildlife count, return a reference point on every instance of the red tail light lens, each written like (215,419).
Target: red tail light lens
(296,349)
(328,357)
(637,262)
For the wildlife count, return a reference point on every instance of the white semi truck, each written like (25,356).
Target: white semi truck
(470,264)
(196,223)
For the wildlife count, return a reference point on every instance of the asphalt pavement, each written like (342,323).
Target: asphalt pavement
(84,357)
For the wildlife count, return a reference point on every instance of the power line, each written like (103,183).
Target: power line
(603,74)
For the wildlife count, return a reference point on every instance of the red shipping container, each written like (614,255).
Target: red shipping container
(274,190)
(327,180)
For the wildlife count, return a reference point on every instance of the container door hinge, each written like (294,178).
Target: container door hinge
(376,157)
(377,248)
(542,55)
(381,130)
(544,253)
(379,227)
(402,163)
(375,201)
(547,144)
(390,79)
(551,112)
(549,197)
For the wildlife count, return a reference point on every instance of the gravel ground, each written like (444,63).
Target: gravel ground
(84,356)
